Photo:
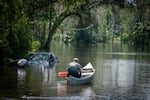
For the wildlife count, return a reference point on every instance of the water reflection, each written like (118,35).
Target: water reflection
(85,92)
(64,90)
(61,89)
(35,80)
(21,73)
(41,73)
(122,72)
(49,74)
(88,93)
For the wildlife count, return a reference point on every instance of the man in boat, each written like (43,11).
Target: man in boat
(74,68)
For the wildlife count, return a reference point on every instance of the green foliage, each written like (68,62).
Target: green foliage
(35,45)
(19,38)
(126,37)
(109,20)
(137,32)
(71,5)
(83,36)
(15,31)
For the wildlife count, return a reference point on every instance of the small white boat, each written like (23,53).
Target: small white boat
(86,77)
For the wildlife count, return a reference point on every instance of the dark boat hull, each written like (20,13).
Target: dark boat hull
(86,78)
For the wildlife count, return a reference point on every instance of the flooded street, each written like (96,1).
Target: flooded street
(122,73)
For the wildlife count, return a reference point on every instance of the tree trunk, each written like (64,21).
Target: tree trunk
(43,35)
(50,35)
(52,28)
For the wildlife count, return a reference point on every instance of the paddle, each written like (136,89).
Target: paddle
(62,73)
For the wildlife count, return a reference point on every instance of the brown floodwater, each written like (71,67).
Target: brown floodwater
(122,73)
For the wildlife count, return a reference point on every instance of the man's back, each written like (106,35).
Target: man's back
(74,64)
(74,69)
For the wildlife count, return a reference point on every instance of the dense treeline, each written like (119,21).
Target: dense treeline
(27,24)
(15,39)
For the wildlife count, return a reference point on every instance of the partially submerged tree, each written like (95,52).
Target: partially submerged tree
(14,30)
(55,12)
(19,17)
